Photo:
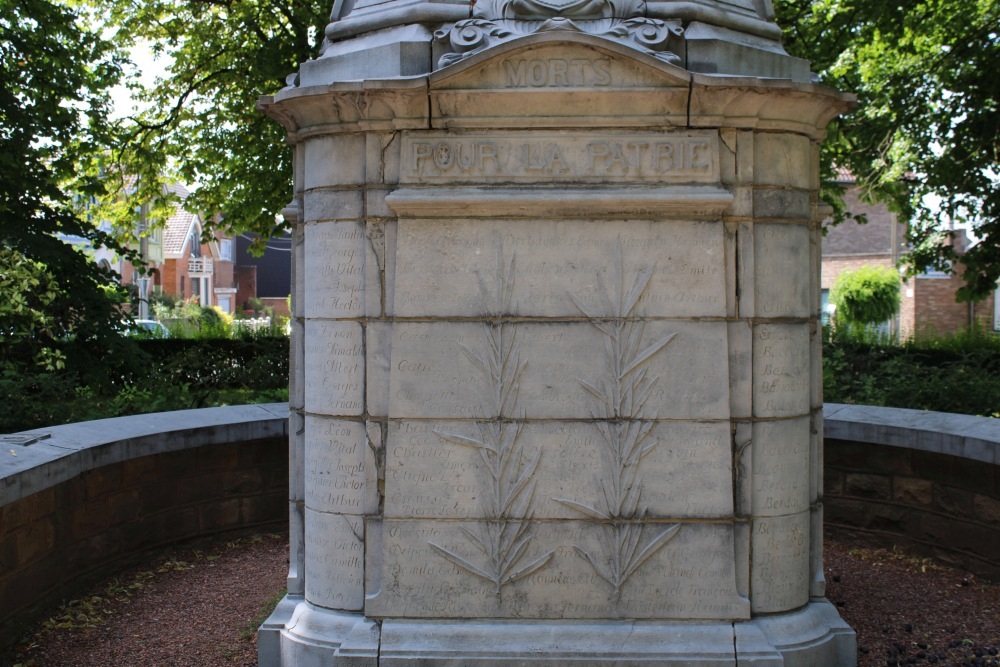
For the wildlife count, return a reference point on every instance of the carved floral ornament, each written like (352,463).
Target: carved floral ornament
(494,22)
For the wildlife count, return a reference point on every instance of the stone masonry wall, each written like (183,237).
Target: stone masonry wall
(943,506)
(57,541)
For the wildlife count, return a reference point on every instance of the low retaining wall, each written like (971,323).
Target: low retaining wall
(87,499)
(928,481)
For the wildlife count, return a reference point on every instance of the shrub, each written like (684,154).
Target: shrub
(868,295)
(947,374)
(160,374)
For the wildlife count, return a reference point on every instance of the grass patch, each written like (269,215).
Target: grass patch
(249,630)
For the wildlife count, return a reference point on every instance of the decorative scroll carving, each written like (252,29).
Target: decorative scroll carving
(508,485)
(497,21)
(624,426)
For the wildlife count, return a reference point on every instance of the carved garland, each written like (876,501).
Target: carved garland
(494,22)
(619,411)
(508,468)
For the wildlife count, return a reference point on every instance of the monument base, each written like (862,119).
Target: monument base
(301,634)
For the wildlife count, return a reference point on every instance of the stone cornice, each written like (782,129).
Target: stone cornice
(637,90)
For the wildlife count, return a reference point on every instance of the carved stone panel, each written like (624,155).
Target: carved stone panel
(341,475)
(335,264)
(781,370)
(561,569)
(555,79)
(335,555)
(546,62)
(334,368)
(450,267)
(781,467)
(779,573)
(436,469)
(436,370)
(781,250)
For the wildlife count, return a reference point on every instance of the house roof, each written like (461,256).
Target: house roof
(177,230)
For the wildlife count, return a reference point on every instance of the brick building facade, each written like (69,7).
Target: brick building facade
(927,301)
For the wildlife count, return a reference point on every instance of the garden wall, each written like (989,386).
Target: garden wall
(926,481)
(90,498)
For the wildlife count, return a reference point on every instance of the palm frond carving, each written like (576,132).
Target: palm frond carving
(507,469)
(619,409)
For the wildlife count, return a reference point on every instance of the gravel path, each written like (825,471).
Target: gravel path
(195,608)
(201,608)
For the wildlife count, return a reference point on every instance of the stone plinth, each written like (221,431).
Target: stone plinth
(557,376)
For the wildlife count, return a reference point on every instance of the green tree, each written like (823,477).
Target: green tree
(868,295)
(199,124)
(56,73)
(925,72)
(927,122)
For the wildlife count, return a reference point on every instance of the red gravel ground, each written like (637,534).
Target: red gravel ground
(197,608)
(909,611)
(201,608)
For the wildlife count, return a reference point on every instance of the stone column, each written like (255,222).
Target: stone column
(560,365)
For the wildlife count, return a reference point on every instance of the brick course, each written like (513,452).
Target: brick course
(933,504)
(56,542)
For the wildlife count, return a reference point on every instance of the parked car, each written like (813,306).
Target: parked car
(150,328)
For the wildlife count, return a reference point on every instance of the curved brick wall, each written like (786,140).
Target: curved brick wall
(93,497)
(929,481)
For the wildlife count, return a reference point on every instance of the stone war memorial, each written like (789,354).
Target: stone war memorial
(556,386)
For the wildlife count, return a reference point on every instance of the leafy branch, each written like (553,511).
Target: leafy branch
(619,411)
(507,468)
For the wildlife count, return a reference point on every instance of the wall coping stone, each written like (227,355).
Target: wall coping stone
(72,449)
(965,436)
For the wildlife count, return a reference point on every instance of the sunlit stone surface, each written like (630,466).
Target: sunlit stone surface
(555,353)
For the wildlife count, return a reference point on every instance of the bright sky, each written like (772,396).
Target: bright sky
(147,68)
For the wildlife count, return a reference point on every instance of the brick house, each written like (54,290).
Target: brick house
(927,301)
(192,268)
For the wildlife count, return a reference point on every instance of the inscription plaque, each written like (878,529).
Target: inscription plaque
(441,266)
(781,370)
(781,467)
(662,157)
(691,577)
(335,560)
(334,367)
(340,476)
(779,575)
(335,258)
(432,376)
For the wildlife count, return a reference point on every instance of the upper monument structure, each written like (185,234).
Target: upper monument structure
(386,38)
(556,387)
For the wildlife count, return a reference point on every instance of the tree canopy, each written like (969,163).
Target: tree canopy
(925,138)
(925,72)
(199,124)
(56,74)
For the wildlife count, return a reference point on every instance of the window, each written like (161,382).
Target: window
(226,303)
(195,244)
(825,307)
(996,309)
(226,250)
